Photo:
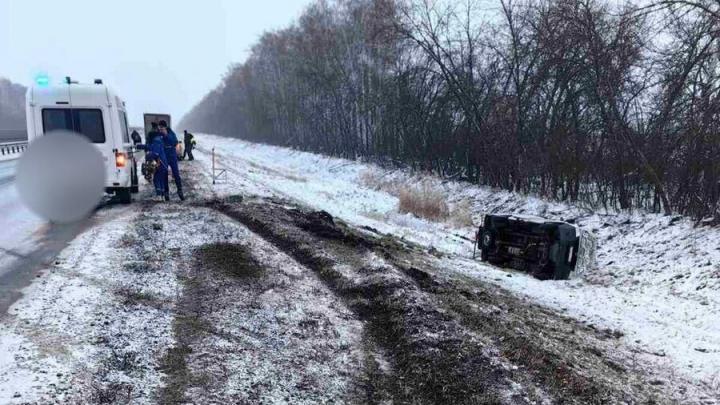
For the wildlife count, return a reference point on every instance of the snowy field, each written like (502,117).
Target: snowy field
(657,278)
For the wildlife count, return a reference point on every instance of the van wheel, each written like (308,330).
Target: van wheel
(124,196)
(487,240)
(134,188)
(562,272)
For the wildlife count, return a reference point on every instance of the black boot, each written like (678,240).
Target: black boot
(181,195)
(167,196)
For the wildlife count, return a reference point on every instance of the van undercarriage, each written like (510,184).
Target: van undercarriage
(545,249)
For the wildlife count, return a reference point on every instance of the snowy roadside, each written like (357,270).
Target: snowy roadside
(128,314)
(657,281)
(64,336)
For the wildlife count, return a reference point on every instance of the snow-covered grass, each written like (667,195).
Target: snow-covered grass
(657,280)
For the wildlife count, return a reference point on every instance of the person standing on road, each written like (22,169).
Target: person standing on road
(152,134)
(156,152)
(170,140)
(135,137)
(189,141)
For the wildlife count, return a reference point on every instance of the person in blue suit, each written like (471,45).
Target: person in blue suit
(156,152)
(153,133)
(171,142)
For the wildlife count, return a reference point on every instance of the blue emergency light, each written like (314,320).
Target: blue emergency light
(42,80)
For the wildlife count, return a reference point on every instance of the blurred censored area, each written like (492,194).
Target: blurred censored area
(61,176)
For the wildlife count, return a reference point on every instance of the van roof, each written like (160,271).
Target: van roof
(79,95)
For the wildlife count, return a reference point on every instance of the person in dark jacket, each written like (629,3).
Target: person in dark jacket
(171,142)
(135,137)
(189,141)
(156,152)
(152,134)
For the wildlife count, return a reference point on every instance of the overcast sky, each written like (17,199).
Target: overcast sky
(160,55)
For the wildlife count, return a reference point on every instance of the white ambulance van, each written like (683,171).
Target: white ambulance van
(95,112)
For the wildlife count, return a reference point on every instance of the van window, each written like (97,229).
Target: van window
(85,121)
(124,126)
(90,124)
(56,119)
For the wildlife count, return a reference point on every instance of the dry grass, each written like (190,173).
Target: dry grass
(377,180)
(424,201)
(461,215)
(421,198)
(274,172)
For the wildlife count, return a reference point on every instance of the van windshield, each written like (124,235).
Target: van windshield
(85,121)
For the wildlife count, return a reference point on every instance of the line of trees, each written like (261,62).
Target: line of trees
(581,100)
(12,105)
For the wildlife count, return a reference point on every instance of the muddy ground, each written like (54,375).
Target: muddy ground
(259,300)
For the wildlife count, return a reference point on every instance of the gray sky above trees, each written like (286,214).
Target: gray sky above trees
(161,55)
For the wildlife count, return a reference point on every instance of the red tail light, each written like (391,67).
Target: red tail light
(120,159)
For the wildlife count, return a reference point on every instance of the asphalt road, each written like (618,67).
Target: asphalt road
(27,242)
(7,171)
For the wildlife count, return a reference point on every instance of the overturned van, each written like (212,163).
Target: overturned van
(95,112)
(548,250)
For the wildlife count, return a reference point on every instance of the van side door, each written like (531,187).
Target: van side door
(124,130)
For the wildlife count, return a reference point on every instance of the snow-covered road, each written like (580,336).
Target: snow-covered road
(28,243)
(7,171)
(16,221)
(20,233)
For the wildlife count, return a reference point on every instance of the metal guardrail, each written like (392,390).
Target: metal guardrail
(13,135)
(12,148)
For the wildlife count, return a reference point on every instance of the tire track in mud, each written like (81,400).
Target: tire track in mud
(434,359)
(450,340)
(572,359)
(250,325)
(248,332)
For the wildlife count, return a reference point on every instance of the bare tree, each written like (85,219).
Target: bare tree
(583,100)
